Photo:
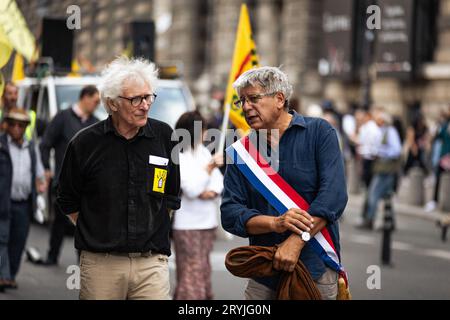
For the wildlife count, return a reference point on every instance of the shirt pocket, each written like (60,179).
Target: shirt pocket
(302,176)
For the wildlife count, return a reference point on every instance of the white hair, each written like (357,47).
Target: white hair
(271,79)
(121,70)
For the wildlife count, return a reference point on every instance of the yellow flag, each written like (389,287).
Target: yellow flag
(16,30)
(244,58)
(18,72)
(2,86)
(75,69)
(5,48)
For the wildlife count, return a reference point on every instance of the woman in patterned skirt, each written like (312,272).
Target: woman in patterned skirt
(195,222)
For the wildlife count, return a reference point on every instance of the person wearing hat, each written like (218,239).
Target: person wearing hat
(9,101)
(21,178)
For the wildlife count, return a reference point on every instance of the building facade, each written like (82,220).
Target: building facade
(199,35)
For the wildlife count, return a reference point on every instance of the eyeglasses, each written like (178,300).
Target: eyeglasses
(136,101)
(21,125)
(253,99)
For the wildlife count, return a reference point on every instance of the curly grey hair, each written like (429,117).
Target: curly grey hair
(271,79)
(123,69)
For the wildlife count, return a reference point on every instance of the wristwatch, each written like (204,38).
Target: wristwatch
(306,236)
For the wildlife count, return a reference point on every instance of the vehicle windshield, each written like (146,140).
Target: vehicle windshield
(168,106)
(67,95)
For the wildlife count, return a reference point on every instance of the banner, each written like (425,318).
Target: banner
(16,30)
(5,48)
(18,72)
(244,58)
(2,86)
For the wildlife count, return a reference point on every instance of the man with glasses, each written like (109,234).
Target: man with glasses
(9,101)
(21,178)
(57,135)
(309,160)
(119,179)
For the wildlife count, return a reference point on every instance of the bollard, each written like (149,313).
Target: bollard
(388,227)
(415,196)
(444,189)
(443,223)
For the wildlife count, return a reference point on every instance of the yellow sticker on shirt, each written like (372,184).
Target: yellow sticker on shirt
(159,180)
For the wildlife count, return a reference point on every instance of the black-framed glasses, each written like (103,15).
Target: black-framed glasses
(137,100)
(251,99)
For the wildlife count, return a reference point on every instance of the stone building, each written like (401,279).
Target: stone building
(199,34)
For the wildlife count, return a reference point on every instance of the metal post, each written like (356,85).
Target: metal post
(443,224)
(444,233)
(388,227)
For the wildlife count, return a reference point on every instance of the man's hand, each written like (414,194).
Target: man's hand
(41,185)
(288,253)
(295,220)
(216,162)
(73,217)
(48,174)
(206,195)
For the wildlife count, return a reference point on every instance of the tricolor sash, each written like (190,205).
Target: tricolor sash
(281,196)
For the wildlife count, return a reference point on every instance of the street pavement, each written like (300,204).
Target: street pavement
(420,262)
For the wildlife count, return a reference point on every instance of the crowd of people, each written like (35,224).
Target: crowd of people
(385,151)
(129,195)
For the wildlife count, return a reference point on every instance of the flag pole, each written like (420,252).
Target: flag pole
(223,133)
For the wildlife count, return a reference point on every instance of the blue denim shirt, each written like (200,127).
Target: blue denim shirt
(311,162)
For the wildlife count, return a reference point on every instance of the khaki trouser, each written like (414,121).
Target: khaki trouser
(327,285)
(112,277)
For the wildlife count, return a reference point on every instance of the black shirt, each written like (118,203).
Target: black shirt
(119,189)
(57,135)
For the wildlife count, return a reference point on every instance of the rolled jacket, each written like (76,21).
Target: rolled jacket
(257,261)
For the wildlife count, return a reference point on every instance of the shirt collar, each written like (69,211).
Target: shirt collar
(24,145)
(297,119)
(144,131)
(76,109)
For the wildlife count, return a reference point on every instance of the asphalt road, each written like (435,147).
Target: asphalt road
(420,264)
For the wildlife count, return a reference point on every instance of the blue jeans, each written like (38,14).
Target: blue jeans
(4,256)
(18,234)
(381,185)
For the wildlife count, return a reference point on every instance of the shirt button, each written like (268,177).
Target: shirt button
(131,201)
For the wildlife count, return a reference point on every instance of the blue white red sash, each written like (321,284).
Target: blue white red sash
(281,196)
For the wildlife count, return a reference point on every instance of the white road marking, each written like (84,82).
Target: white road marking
(398,245)
(437,253)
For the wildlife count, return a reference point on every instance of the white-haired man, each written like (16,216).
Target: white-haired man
(310,165)
(117,183)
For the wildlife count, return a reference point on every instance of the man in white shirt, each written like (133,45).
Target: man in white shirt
(386,166)
(367,140)
(22,177)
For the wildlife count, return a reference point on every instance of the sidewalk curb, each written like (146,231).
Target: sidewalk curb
(355,201)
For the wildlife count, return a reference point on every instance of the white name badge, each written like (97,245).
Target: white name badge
(159,161)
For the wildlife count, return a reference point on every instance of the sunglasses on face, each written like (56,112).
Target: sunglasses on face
(21,125)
